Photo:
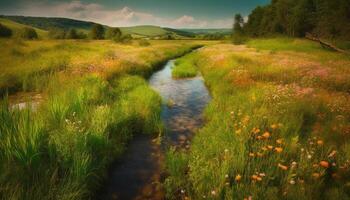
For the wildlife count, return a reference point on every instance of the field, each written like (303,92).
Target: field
(93,97)
(276,128)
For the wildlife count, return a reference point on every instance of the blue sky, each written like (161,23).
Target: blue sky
(170,13)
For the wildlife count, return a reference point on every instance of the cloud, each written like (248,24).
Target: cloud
(113,17)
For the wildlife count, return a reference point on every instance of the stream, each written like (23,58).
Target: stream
(138,175)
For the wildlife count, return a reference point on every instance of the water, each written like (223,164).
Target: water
(139,174)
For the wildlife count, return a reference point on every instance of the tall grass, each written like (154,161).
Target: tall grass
(61,151)
(270,134)
(185,67)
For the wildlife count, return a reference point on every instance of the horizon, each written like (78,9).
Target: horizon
(124,13)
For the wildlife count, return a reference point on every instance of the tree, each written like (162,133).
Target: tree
(97,32)
(114,34)
(72,34)
(28,33)
(238,24)
(57,33)
(4,31)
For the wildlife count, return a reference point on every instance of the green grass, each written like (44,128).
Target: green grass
(185,67)
(266,126)
(16,27)
(62,150)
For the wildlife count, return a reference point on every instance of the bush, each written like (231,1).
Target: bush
(97,32)
(4,31)
(144,43)
(126,39)
(72,34)
(28,33)
(114,34)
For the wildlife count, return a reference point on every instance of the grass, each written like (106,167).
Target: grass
(16,27)
(276,127)
(95,98)
(184,67)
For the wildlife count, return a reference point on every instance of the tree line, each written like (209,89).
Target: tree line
(323,18)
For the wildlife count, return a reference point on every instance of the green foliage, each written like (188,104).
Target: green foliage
(114,34)
(97,32)
(238,24)
(72,34)
(185,67)
(56,33)
(27,33)
(4,31)
(328,18)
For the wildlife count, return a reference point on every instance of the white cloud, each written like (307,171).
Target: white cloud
(113,17)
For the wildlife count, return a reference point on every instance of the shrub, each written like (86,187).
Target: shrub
(28,33)
(72,34)
(97,32)
(4,31)
(114,34)
(239,39)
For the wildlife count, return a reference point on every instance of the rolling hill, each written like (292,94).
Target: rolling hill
(14,26)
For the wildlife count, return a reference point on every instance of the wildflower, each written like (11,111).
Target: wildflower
(294,164)
(251,154)
(292,182)
(324,164)
(274,126)
(238,178)
(283,167)
(264,148)
(315,165)
(316,175)
(279,141)
(320,142)
(213,192)
(259,178)
(226,176)
(309,156)
(266,135)
(278,149)
(182,191)
(226,150)
(259,154)
(238,131)
(255,177)
(262,174)
(269,147)
(259,137)
(332,154)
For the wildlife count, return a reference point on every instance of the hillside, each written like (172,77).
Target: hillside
(14,26)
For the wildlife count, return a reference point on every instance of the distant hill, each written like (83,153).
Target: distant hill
(208,31)
(43,24)
(14,26)
(46,23)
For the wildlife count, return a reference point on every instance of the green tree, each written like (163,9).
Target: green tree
(114,34)
(57,33)
(238,24)
(97,32)
(28,33)
(72,34)
(4,31)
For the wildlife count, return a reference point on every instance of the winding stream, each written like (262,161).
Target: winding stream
(138,175)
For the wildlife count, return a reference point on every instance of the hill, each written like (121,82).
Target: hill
(14,26)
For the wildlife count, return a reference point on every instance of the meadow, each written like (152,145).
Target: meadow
(94,98)
(276,128)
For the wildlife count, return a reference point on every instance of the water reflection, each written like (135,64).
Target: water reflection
(188,98)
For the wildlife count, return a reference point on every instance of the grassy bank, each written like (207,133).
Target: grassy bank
(29,65)
(95,98)
(185,67)
(277,126)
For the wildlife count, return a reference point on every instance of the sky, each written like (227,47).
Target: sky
(166,13)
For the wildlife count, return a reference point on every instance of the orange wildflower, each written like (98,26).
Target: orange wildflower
(316,175)
(278,149)
(320,142)
(266,135)
(283,167)
(238,178)
(251,154)
(264,148)
(324,164)
(255,177)
(274,126)
(259,137)
(260,154)
(269,147)
(279,141)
